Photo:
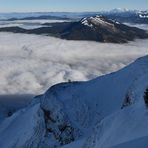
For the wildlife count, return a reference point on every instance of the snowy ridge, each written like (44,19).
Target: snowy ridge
(97,20)
(143,14)
(103,112)
(120,127)
(85,22)
(76,98)
(83,91)
(24,129)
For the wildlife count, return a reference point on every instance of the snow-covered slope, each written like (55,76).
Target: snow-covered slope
(106,111)
(129,123)
(84,104)
(121,127)
(137,143)
(97,20)
(97,98)
(24,129)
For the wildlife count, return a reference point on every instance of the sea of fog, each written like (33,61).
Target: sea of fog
(29,24)
(30,64)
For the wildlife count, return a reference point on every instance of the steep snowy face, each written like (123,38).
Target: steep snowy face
(136,143)
(83,104)
(126,125)
(58,126)
(115,104)
(24,129)
(123,127)
(36,127)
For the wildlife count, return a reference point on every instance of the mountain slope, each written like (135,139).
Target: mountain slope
(140,142)
(108,109)
(121,127)
(24,129)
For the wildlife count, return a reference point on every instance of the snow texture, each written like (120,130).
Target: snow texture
(24,129)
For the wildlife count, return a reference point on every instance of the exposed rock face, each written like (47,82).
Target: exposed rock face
(146,97)
(62,131)
(57,124)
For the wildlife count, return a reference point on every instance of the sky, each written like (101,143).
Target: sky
(69,5)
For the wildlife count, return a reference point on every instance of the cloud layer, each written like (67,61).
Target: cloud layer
(32,63)
(28,24)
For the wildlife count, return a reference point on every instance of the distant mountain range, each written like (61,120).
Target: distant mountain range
(122,15)
(128,16)
(94,28)
(43,17)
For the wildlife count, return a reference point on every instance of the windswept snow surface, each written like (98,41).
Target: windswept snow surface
(11,103)
(130,123)
(120,127)
(100,102)
(85,103)
(76,144)
(30,64)
(24,129)
(91,113)
(137,143)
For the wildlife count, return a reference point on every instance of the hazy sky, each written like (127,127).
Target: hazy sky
(69,5)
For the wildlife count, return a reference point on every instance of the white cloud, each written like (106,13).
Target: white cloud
(28,24)
(31,63)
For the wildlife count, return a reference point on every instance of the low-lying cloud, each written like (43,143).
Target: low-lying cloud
(32,63)
(29,24)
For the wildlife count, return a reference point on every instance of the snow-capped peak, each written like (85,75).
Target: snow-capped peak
(69,110)
(122,10)
(85,22)
(117,10)
(143,14)
(95,21)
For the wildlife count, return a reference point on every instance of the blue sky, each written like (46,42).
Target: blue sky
(69,5)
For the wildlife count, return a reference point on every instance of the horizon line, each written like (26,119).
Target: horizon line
(85,11)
